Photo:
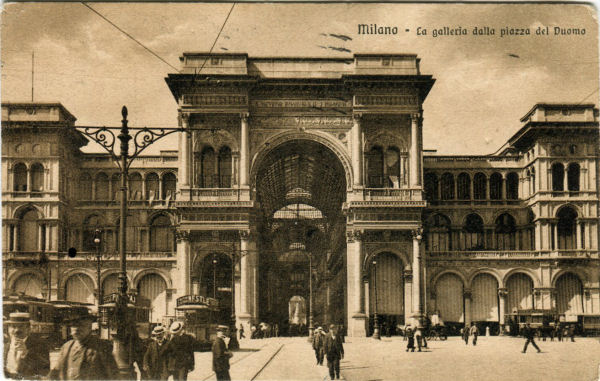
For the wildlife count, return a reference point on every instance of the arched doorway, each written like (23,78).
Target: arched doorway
(80,288)
(300,186)
(387,275)
(28,284)
(212,278)
(450,303)
(484,301)
(152,287)
(569,295)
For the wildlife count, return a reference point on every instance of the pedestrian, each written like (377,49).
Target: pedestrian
(529,334)
(318,345)
(342,332)
(474,331)
(221,355)
(559,332)
(419,338)
(180,352)
(155,363)
(465,334)
(253,332)
(85,357)
(572,332)
(276,329)
(411,339)
(334,351)
(242,336)
(25,356)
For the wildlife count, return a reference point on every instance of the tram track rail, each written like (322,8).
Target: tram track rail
(240,358)
(267,363)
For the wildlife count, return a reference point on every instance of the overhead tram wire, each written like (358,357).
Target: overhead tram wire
(130,36)
(214,43)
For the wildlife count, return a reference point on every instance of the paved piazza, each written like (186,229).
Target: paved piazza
(494,358)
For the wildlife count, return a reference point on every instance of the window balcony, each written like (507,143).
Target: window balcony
(510,254)
(390,194)
(216,194)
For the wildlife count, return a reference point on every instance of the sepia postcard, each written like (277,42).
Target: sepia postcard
(300,191)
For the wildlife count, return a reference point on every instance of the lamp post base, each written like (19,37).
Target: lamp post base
(376,334)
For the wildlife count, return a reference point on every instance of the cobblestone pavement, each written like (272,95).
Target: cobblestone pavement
(493,359)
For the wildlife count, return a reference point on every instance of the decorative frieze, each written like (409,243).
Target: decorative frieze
(385,100)
(306,122)
(215,100)
(300,103)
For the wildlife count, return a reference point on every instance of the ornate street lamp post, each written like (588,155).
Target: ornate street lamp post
(97,242)
(214,262)
(376,334)
(311,328)
(233,341)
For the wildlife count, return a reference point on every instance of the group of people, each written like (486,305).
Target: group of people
(260,331)
(559,332)
(415,333)
(470,331)
(169,353)
(329,345)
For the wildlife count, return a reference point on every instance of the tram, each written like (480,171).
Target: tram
(199,314)
(138,309)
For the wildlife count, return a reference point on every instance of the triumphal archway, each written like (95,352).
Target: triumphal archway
(301,180)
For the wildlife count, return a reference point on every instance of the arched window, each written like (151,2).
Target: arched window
(136,184)
(464,186)
(473,232)
(496,186)
(161,234)
(153,289)
(28,231)
(152,186)
(37,177)
(567,229)
(532,180)
(431,186)
(512,186)
(447,186)
(479,186)
(169,186)
(207,168)
(115,184)
(438,233)
(85,186)
(505,232)
(558,177)
(573,177)
(225,167)
(375,167)
(102,186)
(91,224)
(392,164)
(20,178)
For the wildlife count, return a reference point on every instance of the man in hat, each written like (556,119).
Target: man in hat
(319,344)
(334,351)
(155,360)
(85,357)
(25,356)
(180,352)
(221,355)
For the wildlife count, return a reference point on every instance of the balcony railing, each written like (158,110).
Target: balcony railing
(391,193)
(217,194)
(512,254)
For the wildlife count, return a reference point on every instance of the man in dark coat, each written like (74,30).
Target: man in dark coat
(155,360)
(85,357)
(529,334)
(221,355)
(25,356)
(318,344)
(180,352)
(334,351)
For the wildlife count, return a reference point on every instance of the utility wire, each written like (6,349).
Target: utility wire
(130,36)
(214,42)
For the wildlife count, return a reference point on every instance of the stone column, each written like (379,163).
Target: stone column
(538,236)
(467,299)
(408,296)
(356,315)
(357,151)
(555,235)
(248,280)
(502,292)
(566,179)
(414,150)
(244,151)
(487,188)
(184,142)
(578,233)
(416,271)
(183,262)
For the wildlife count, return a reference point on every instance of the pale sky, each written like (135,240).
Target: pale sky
(480,93)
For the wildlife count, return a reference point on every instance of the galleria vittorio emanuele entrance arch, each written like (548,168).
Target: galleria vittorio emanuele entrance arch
(300,189)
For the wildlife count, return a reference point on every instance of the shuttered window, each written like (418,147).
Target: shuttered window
(390,286)
(152,287)
(80,288)
(29,285)
(569,295)
(449,298)
(484,298)
(520,292)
